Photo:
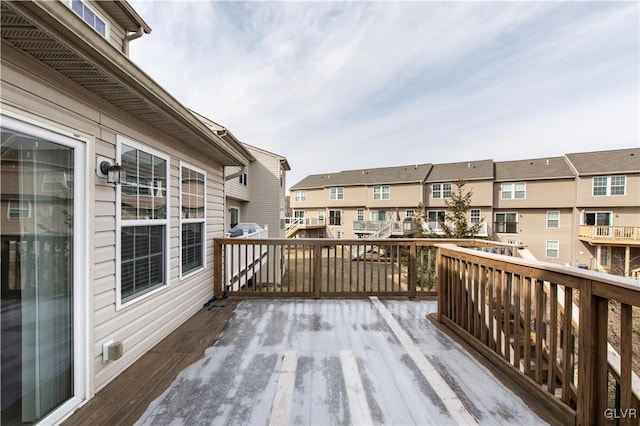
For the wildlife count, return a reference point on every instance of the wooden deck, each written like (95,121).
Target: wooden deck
(125,399)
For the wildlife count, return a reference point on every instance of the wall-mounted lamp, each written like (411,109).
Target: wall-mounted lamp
(114,173)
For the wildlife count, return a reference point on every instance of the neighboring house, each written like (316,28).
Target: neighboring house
(607,210)
(441,184)
(94,274)
(255,193)
(533,202)
(357,203)
(581,209)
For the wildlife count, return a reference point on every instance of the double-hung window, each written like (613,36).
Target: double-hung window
(360,214)
(143,221)
(192,218)
(409,213)
(441,190)
(19,209)
(337,193)
(90,16)
(513,191)
(552,248)
(553,219)
(474,215)
(609,185)
(381,192)
(301,195)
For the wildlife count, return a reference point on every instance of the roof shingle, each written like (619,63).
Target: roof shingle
(385,175)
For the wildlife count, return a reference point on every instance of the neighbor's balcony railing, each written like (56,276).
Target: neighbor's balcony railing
(591,233)
(436,228)
(375,225)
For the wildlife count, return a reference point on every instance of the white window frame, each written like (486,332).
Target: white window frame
(320,214)
(495,220)
(107,25)
(605,252)
(382,192)
(606,183)
(409,213)
(513,191)
(551,220)
(121,223)
(336,193)
(360,214)
(81,297)
(22,206)
(202,220)
(300,195)
(332,218)
(441,190)
(244,178)
(475,216)
(550,246)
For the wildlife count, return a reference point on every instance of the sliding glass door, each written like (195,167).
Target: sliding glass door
(39,229)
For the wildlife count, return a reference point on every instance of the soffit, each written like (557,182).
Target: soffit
(111,76)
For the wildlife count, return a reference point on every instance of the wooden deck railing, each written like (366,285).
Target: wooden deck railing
(521,314)
(332,267)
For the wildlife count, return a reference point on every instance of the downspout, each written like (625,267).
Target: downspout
(130,37)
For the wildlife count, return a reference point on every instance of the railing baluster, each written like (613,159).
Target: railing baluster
(527,326)
(518,337)
(540,307)
(626,355)
(553,338)
(567,345)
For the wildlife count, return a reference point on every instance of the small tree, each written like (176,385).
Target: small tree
(456,223)
(418,221)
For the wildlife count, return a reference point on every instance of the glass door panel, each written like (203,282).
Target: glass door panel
(37,276)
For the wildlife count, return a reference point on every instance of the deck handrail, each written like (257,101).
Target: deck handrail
(617,233)
(531,338)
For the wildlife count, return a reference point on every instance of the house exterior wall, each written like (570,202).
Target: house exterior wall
(233,187)
(482,193)
(533,231)
(539,194)
(266,192)
(35,91)
(585,197)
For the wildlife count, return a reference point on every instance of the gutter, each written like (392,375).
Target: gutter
(243,170)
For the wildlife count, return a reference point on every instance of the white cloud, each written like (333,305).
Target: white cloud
(335,86)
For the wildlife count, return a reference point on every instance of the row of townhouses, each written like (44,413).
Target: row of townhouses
(112,192)
(580,209)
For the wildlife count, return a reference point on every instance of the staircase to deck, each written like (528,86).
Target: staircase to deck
(383,232)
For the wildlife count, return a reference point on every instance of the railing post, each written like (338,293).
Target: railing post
(592,357)
(413,273)
(441,286)
(217,268)
(317,258)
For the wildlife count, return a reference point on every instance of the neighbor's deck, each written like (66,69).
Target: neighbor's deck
(310,362)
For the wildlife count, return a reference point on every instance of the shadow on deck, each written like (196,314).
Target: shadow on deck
(311,362)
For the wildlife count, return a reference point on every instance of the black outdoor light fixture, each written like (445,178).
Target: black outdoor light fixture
(114,173)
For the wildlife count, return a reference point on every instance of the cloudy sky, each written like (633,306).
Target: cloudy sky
(335,86)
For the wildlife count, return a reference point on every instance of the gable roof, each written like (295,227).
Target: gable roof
(384,175)
(533,169)
(54,35)
(467,170)
(598,162)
